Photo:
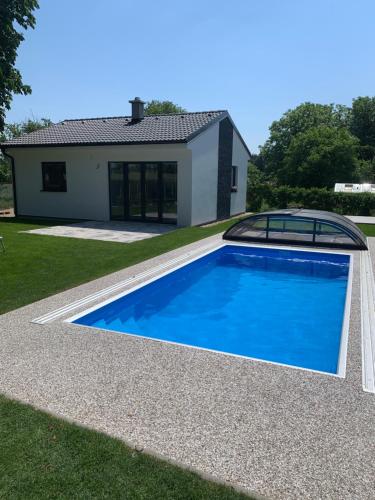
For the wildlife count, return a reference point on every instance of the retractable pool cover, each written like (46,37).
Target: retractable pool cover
(299,227)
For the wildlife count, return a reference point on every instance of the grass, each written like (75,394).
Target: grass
(36,266)
(6,196)
(43,457)
(367,229)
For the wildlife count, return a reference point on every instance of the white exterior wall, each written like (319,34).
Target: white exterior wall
(204,149)
(240,158)
(87,195)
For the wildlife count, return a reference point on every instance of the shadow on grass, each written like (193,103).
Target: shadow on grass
(44,457)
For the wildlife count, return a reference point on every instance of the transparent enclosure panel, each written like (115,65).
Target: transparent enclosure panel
(291,229)
(327,233)
(255,228)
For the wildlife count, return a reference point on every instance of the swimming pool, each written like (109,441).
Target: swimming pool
(277,305)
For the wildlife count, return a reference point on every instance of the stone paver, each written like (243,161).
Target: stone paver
(282,432)
(120,232)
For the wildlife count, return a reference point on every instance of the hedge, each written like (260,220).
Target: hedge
(265,197)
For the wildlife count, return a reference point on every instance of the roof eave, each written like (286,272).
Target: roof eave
(73,144)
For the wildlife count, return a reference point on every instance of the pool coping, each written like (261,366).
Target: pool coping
(342,354)
(62,311)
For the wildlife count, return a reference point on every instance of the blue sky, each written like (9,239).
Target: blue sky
(256,58)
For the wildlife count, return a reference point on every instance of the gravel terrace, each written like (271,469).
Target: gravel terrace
(279,431)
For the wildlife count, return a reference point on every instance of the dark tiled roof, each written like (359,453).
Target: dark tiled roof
(121,130)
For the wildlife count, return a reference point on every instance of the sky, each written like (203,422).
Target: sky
(255,58)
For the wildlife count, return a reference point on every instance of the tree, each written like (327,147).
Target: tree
(155,107)
(11,12)
(255,175)
(5,173)
(319,157)
(297,121)
(362,125)
(12,130)
(365,171)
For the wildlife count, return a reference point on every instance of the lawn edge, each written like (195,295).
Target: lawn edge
(144,450)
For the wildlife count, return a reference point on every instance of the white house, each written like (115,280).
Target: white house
(187,168)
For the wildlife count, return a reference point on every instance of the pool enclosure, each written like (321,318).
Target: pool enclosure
(299,227)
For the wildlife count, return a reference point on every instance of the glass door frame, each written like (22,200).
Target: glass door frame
(143,218)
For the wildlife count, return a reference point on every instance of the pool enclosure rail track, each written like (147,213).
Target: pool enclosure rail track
(368,323)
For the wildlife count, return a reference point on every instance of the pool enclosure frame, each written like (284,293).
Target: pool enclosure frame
(313,218)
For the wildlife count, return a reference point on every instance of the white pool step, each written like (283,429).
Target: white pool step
(368,322)
(53,315)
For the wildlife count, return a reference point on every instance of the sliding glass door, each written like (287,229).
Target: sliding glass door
(145,191)
(116,190)
(152,191)
(133,191)
(169,188)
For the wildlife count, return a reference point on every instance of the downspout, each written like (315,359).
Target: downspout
(12,162)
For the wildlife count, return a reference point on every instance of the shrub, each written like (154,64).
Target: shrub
(274,197)
(6,196)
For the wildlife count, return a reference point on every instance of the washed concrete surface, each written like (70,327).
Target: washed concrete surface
(120,232)
(282,432)
(360,219)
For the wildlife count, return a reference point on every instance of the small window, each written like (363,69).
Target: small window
(234,178)
(54,176)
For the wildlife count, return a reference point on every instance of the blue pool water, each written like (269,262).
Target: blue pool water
(278,305)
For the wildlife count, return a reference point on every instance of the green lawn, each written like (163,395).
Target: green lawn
(43,457)
(367,229)
(34,266)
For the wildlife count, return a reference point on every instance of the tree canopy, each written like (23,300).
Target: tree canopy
(155,107)
(12,13)
(316,145)
(319,157)
(362,125)
(12,130)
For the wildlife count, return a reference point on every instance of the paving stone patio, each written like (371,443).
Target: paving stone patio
(120,232)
